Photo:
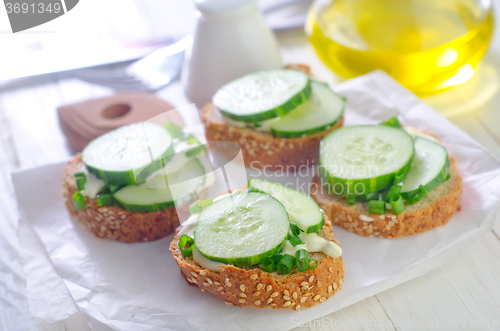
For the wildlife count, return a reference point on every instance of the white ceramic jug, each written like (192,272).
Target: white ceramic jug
(231,39)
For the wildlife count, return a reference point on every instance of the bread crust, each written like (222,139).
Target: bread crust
(252,286)
(435,210)
(113,222)
(260,149)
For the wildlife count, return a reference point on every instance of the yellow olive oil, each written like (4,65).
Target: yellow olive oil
(427,45)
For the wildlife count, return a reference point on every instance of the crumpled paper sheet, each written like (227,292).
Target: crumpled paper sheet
(74,278)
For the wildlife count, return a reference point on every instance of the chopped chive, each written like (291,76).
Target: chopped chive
(447,177)
(78,201)
(286,264)
(372,196)
(295,229)
(397,204)
(422,193)
(186,244)
(361,198)
(295,240)
(268,264)
(313,263)
(174,130)
(195,151)
(104,199)
(110,188)
(302,259)
(395,189)
(398,179)
(276,258)
(393,121)
(376,207)
(80,174)
(351,201)
(195,207)
(80,183)
(383,195)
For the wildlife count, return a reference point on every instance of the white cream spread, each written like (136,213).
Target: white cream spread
(264,126)
(204,262)
(93,185)
(314,243)
(417,133)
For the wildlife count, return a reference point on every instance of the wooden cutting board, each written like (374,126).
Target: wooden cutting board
(84,121)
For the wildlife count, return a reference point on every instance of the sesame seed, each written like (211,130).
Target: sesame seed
(194,274)
(307,294)
(206,284)
(219,288)
(243,295)
(285,292)
(316,298)
(228,284)
(286,304)
(228,303)
(269,300)
(274,295)
(270,152)
(382,217)
(256,293)
(304,284)
(217,283)
(257,302)
(286,297)
(341,281)
(311,279)
(269,288)
(323,299)
(242,288)
(331,269)
(330,289)
(259,286)
(189,280)
(295,295)
(202,290)
(318,283)
(273,305)
(203,272)
(209,281)
(254,276)
(304,289)
(298,307)
(242,300)
(303,299)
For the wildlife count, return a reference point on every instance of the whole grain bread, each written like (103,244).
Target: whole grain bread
(435,210)
(252,286)
(113,222)
(260,149)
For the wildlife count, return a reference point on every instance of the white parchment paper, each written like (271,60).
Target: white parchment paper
(76,281)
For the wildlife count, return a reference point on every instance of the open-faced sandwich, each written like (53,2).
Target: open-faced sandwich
(268,246)
(117,186)
(278,117)
(386,180)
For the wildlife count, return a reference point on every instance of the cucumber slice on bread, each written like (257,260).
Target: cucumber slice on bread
(183,185)
(263,95)
(358,160)
(242,229)
(117,156)
(430,168)
(320,112)
(301,208)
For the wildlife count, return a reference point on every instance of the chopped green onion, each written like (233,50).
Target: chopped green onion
(313,263)
(191,140)
(276,258)
(186,244)
(447,177)
(78,201)
(398,179)
(351,201)
(195,151)
(80,174)
(295,229)
(372,196)
(80,183)
(104,199)
(395,189)
(397,204)
(174,130)
(286,264)
(383,195)
(376,207)
(422,193)
(393,121)
(195,207)
(268,264)
(110,188)
(302,259)
(361,198)
(295,240)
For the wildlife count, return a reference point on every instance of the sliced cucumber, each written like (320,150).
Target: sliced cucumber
(263,95)
(301,208)
(183,186)
(323,109)
(118,156)
(430,168)
(242,229)
(358,160)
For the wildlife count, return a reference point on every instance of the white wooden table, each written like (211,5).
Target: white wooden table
(463,294)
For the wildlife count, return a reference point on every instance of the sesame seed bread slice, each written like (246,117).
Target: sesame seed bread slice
(435,210)
(113,222)
(252,286)
(260,149)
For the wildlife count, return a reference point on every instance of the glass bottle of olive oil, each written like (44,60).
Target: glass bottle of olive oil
(427,45)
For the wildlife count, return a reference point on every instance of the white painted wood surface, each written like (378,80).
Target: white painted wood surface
(464,294)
